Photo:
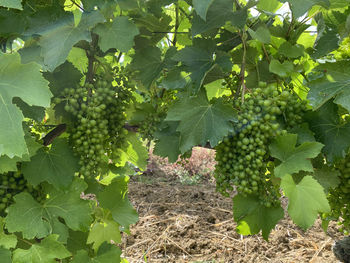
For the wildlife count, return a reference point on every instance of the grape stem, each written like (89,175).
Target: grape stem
(241,74)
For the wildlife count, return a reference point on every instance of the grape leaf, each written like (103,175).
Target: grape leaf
(201,7)
(222,7)
(281,69)
(294,159)
(76,240)
(329,130)
(269,5)
(36,220)
(251,216)
(47,251)
(168,141)
(6,240)
(5,255)
(64,76)
(8,164)
(56,166)
(77,57)
(135,152)
(262,34)
(327,42)
(174,80)
(291,51)
(334,84)
(327,177)
(304,133)
(61,230)
(306,200)
(119,34)
(300,7)
(147,63)
(24,81)
(105,254)
(201,121)
(198,59)
(106,230)
(16,4)
(114,197)
(57,39)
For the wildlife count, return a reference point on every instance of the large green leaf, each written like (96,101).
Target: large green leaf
(49,250)
(330,130)
(115,198)
(118,34)
(6,240)
(201,7)
(104,230)
(58,38)
(262,34)
(291,51)
(327,177)
(174,80)
(326,43)
(135,152)
(36,220)
(218,12)
(16,4)
(305,200)
(294,159)
(64,76)
(147,63)
(201,121)
(334,84)
(168,141)
(282,69)
(269,5)
(77,57)
(8,164)
(251,216)
(56,166)
(198,59)
(24,81)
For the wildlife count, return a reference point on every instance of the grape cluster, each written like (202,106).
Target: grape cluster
(242,158)
(99,133)
(13,183)
(339,197)
(149,126)
(160,106)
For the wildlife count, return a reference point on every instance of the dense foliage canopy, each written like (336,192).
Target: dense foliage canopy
(87,85)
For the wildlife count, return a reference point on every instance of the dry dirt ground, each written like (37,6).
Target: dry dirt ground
(193,223)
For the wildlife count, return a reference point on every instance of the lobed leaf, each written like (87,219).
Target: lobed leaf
(294,159)
(306,200)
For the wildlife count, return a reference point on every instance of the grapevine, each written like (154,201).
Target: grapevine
(86,86)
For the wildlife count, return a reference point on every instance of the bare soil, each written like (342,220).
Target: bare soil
(193,223)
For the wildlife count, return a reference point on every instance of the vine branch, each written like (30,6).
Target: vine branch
(176,22)
(242,72)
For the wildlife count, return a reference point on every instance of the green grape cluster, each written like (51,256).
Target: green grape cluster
(99,133)
(242,158)
(149,126)
(339,197)
(152,120)
(13,183)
